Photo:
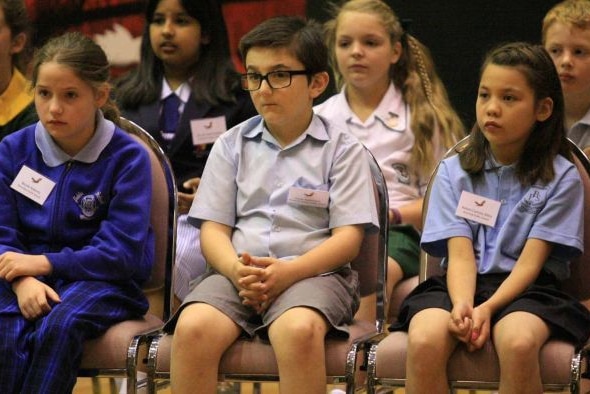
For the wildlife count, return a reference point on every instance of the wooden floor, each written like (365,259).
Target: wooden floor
(84,386)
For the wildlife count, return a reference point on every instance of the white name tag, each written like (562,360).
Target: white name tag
(206,131)
(33,185)
(309,197)
(477,208)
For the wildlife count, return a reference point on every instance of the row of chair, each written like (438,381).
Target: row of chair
(370,358)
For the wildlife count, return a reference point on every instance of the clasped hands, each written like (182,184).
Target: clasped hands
(260,280)
(470,325)
(34,297)
(185,200)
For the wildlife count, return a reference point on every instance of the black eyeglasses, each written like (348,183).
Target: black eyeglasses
(275,79)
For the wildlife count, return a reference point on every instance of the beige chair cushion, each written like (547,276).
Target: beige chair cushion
(110,349)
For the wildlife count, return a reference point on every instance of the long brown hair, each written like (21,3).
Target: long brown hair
(415,76)
(85,58)
(548,137)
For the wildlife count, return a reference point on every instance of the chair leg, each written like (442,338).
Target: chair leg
(113,386)
(95,385)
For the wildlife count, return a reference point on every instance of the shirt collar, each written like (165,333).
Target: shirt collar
(585,119)
(392,111)
(491,164)
(17,96)
(183,91)
(54,156)
(317,129)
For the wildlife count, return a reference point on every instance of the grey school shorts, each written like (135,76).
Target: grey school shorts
(335,295)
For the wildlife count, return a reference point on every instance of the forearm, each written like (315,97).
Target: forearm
(525,272)
(411,213)
(218,250)
(461,271)
(341,248)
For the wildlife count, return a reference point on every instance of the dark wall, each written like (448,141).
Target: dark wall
(460,32)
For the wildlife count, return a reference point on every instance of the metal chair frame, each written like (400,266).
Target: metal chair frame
(140,340)
(159,379)
(430,265)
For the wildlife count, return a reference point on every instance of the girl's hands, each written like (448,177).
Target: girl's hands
(34,297)
(14,265)
(185,200)
(480,332)
(471,325)
(461,323)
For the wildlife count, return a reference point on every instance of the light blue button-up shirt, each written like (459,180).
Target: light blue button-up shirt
(248,177)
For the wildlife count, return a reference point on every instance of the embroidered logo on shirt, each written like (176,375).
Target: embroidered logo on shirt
(533,201)
(403,175)
(89,204)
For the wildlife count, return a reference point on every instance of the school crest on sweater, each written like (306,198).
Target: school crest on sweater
(88,203)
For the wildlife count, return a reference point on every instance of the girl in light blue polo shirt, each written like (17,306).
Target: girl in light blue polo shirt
(506,216)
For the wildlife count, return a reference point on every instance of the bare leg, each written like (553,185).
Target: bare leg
(518,338)
(202,335)
(368,308)
(394,276)
(429,347)
(297,338)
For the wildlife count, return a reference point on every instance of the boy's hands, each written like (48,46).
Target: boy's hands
(14,265)
(262,280)
(34,297)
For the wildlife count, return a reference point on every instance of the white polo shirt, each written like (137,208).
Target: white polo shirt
(387,134)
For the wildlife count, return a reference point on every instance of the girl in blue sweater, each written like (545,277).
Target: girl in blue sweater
(75,236)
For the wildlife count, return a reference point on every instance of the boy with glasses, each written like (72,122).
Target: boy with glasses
(283,205)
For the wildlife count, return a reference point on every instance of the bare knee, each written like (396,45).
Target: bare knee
(428,336)
(305,329)
(188,325)
(521,346)
(421,344)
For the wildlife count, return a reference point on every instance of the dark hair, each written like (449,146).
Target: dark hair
(303,38)
(548,138)
(17,20)
(214,78)
(84,57)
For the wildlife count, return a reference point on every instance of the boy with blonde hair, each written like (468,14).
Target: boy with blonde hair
(566,36)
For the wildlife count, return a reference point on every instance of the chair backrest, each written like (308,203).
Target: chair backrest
(578,284)
(164,205)
(430,265)
(374,246)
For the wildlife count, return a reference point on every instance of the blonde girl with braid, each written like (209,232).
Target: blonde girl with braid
(392,100)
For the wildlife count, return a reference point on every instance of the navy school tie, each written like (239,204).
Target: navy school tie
(169,117)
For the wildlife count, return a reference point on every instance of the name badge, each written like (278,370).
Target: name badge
(205,131)
(309,197)
(33,185)
(477,208)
